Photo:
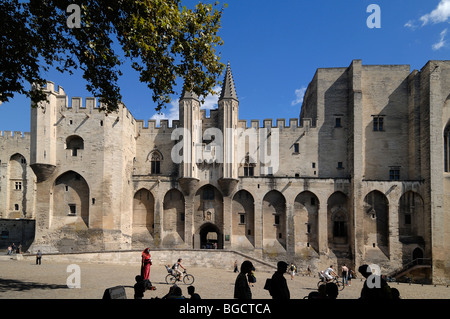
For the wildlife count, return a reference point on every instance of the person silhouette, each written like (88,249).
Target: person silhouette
(241,288)
(279,288)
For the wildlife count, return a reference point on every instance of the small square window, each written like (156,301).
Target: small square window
(241,219)
(338,122)
(340,165)
(394,174)
(72,209)
(277,220)
(378,123)
(296,148)
(248,171)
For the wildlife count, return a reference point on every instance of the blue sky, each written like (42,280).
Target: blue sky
(275,47)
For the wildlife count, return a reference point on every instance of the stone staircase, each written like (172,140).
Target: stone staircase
(415,264)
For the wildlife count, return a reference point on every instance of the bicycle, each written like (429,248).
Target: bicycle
(172,277)
(335,280)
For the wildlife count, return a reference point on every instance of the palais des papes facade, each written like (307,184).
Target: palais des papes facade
(362,176)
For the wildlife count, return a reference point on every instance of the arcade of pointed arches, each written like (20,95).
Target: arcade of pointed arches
(208,219)
(281,224)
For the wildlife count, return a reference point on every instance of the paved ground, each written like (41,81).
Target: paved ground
(26,280)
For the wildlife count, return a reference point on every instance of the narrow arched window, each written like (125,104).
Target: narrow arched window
(155,161)
(447,149)
(74,143)
(249,166)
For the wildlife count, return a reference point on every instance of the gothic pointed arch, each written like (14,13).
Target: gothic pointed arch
(155,158)
(143,217)
(173,219)
(412,224)
(243,220)
(306,220)
(376,220)
(274,221)
(338,216)
(210,236)
(17,174)
(70,198)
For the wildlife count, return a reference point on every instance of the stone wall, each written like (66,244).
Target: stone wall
(210,258)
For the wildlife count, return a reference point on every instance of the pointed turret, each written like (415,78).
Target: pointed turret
(188,95)
(227,121)
(228,88)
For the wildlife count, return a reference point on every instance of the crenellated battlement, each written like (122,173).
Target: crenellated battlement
(279,123)
(76,104)
(89,104)
(14,135)
(152,127)
(293,123)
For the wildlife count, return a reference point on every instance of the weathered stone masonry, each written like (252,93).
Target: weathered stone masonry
(362,176)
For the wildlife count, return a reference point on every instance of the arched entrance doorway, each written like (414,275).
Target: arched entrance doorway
(70,201)
(210,237)
(143,218)
(418,254)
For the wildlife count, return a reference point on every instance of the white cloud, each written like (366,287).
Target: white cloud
(172,112)
(441,42)
(299,93)
(211,100)
(410,24)
(440,14)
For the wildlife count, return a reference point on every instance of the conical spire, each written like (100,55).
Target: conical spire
(188,95)
(228,89)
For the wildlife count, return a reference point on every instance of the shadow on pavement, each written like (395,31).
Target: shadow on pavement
(17,285)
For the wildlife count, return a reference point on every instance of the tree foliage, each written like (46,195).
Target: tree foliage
(163,39)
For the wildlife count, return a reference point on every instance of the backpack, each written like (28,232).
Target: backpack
(268,284)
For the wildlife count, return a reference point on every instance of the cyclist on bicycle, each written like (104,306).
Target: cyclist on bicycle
(176,267)
(330,274)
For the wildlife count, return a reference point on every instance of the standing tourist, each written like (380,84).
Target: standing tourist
(241,288)
(145,264)
(344,275)
(236,266)
(38,257)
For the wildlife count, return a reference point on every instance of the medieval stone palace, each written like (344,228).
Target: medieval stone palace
(362,176)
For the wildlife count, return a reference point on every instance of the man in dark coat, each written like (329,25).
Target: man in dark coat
(278,285)
(241,288)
